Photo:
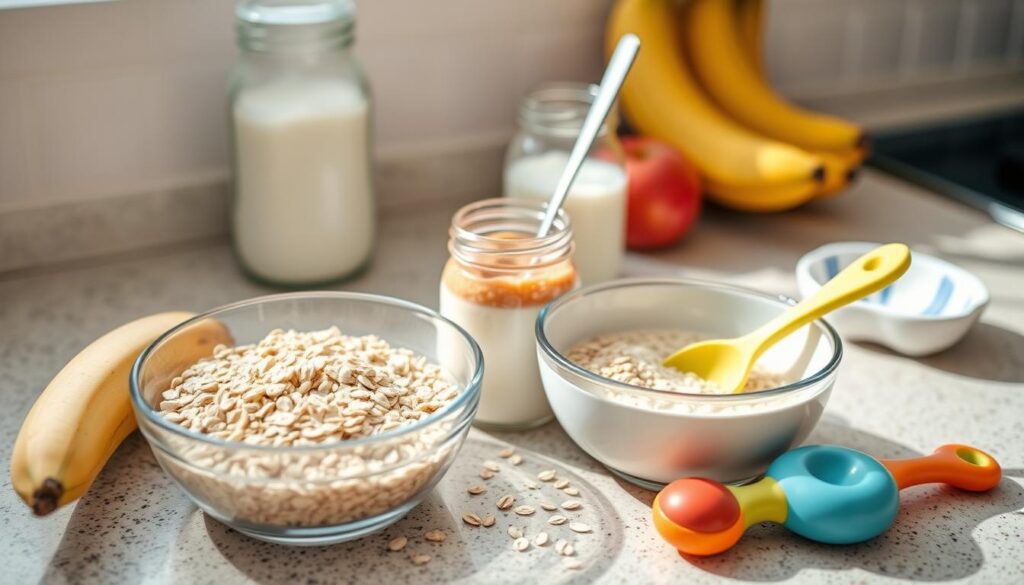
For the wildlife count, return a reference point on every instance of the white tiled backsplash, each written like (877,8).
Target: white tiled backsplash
(820,47)
(125,97)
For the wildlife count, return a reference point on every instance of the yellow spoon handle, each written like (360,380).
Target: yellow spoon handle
(869,273)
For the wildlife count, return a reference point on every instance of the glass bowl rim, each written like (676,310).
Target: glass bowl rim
(564,362)
(472,388)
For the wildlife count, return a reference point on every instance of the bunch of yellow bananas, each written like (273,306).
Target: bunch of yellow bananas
(697,84)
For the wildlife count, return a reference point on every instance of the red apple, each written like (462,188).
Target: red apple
(664,193)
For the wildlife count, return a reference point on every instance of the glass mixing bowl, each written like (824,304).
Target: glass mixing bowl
(328,492)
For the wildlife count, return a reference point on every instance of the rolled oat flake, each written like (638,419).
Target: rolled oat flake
(420,559)
(398,543)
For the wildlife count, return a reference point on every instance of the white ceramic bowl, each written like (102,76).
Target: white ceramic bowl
(652,437)
(927,310)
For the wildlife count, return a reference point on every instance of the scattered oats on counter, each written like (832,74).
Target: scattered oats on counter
(524,510)
(564,548)
(420,559)
(398,543)
(634,357)
(520,541)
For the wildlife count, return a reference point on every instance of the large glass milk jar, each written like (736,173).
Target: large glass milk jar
(303,211)
(549,121)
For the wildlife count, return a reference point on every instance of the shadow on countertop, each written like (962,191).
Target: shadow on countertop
(355,561)
(123,527)
(987,352)
(931,540)
(468,554)
(136,526)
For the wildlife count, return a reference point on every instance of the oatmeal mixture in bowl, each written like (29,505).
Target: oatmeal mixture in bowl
(601,350)
(635,357)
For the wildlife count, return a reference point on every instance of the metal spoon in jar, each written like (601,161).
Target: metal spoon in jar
(618,66)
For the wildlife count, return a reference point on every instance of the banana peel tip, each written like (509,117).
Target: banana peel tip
(46,497)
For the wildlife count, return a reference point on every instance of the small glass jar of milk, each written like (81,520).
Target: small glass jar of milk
(500,275)
(549,121)
(303,211)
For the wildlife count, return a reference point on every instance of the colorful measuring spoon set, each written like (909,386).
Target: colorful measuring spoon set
(824,493)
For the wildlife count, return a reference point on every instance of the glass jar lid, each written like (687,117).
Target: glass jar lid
(558,109)
(285,25)
(294,11)
(500,234)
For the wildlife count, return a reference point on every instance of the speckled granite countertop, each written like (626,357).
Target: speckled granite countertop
(135,526)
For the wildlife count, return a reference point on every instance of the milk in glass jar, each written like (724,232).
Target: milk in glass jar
(303,211)
(549,121)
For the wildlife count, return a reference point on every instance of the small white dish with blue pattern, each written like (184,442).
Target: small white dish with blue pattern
(926,311)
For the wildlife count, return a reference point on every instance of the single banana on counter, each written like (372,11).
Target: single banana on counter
(662,100)
(720,61)
(85,412)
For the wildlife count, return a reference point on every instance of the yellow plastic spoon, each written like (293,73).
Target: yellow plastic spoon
(727,362)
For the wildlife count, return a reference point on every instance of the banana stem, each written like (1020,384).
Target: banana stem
(47,496)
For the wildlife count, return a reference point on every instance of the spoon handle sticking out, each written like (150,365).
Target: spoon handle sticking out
(611,82)
(868,274)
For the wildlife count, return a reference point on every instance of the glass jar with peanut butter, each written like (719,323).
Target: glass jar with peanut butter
(500,275)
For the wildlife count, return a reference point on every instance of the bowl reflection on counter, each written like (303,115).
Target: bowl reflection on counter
(328,492)
(652,437)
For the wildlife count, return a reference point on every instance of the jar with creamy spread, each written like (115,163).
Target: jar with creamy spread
(498,278)
(550,117)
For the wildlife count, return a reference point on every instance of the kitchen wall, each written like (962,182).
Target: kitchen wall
(115,110)
(818,47)
(111,98)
